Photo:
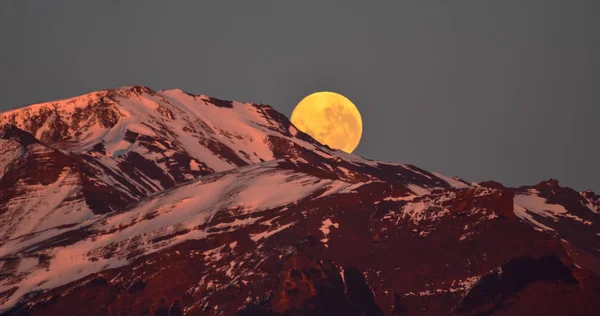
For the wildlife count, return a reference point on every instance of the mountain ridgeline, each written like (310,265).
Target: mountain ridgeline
(131,201)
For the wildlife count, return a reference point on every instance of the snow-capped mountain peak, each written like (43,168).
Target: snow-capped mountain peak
(139,201)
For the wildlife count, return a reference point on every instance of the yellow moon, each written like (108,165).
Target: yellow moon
(331,119)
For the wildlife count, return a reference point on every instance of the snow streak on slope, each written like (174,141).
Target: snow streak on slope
(590,201)
(451,181)
(529,205)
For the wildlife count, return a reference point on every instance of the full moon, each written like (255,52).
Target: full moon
(331,119)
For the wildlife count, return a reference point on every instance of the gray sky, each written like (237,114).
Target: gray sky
(502,90)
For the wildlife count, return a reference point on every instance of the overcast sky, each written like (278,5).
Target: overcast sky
(502,90)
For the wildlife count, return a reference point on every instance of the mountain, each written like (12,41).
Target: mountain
(140,202)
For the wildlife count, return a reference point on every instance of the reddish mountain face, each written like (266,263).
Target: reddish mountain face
(141,202)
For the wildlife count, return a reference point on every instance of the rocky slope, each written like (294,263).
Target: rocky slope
(134,201)
(99,152)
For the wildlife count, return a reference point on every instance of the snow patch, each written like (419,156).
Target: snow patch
(267,234)
(451,181)
(420,191)
(326,224)
(456,286)
(530,203)
(416,171)
(401,198)
(538,205)
(194,165)
(522,213)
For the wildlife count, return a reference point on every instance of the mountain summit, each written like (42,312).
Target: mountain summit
(133,202)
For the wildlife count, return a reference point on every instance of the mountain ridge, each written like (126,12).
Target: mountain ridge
(165,202)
